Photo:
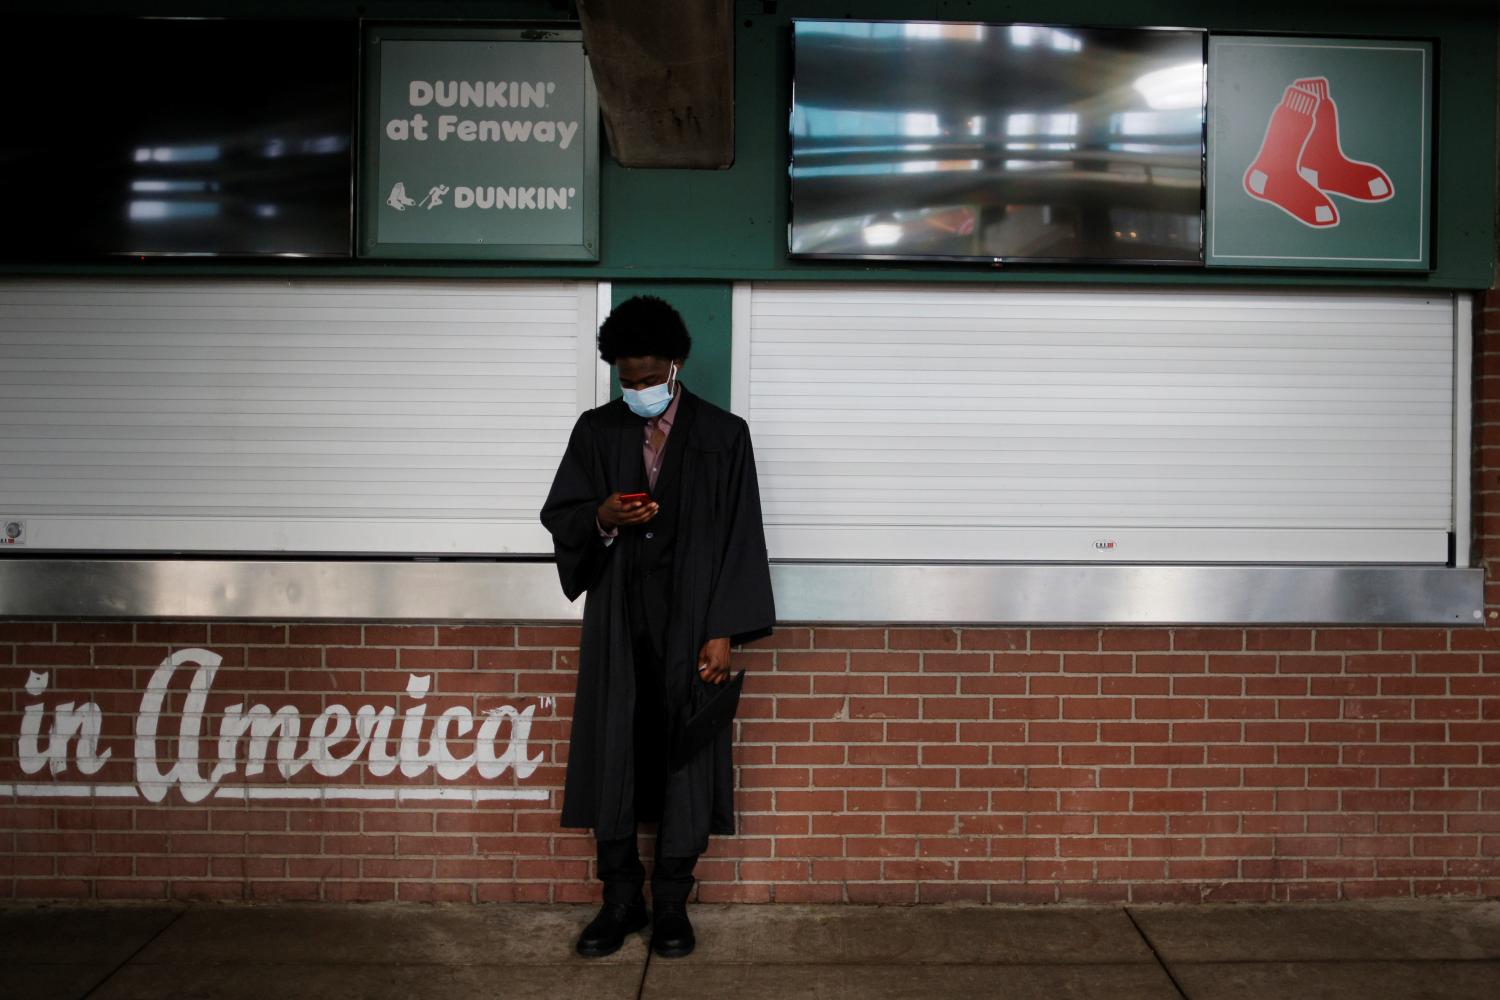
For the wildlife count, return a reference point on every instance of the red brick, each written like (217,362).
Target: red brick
(774,777)
(1025,708)
(389,821)
(423,660)
(1378,663)
(773,732)
(506,659)
(476,635)
(359,658)
(1486,639)
(1170,708)
(812,892)
(1135,639)
(95,632)
(1190,639)
(1377,708)
(323,635)
(1414,638)
(400,635)
(801,662)
(1241,663)
(1322,663)
(1076,684)
(26,631)
(849,638)
(1170,663)
(955,708)
(929,684)
(174,633)
(1096,708)
(993,639)
(867,684)
(1278,639)
(1487,685)
(1094,755)
(1337,777)
(1344,687)
(342,682)
(883,893)
(885,753)
(1098,663)
(248,819)
(1203,777)
(240,633)
(1448,663)
(1346,638)
(43,656)
(1133,777)
(922,638)
(1065,640)
(566,636)
(359,892)
(1419,687)
(956,662)
(823,708)
(857,708)
(284,657)
(1026,663)
(1192,685)
(885,662)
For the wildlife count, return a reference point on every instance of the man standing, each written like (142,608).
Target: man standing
(655,513)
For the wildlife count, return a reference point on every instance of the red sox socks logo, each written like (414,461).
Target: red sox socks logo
(1300,162)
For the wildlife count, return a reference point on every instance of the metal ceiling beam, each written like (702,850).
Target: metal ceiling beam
(665,75)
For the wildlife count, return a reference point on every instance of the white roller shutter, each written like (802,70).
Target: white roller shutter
(306,416)
(996,423)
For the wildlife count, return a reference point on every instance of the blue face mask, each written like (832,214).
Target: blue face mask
(651,402)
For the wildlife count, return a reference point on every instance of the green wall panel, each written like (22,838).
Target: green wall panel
(705,308)
(745,234)
(674,225)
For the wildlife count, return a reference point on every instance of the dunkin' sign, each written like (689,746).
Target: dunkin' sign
(184,739)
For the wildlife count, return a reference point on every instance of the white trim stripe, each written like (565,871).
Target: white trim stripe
(43,790)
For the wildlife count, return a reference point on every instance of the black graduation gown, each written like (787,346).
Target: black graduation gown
(721,587)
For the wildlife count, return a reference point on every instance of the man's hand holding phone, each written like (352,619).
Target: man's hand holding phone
(626,509)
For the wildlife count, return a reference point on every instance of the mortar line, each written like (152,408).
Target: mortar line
(132,956)
(640,991)
(1154,953)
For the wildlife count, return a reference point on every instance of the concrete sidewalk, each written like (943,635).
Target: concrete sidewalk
(1392,951)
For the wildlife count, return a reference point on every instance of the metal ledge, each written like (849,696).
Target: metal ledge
(1055,594)
(812,592)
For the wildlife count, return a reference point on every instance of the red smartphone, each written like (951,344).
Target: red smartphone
(635,498)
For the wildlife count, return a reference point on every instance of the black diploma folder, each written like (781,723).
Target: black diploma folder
(711,717)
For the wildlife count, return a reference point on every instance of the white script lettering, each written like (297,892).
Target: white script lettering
(478,93)
(419,748)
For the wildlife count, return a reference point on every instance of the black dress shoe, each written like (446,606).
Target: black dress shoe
(671,931)
(606,933)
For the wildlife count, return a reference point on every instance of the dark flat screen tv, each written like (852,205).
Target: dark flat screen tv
(996,142)
(177,136)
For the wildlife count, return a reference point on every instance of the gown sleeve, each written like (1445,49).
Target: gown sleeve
(570,510)
(742,607)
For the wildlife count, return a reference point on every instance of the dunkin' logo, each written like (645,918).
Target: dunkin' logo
(240,750)
(1301,161)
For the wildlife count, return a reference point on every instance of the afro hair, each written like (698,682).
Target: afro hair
(644,327)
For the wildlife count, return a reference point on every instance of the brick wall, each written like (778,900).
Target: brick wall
(891,765)
(875,764)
